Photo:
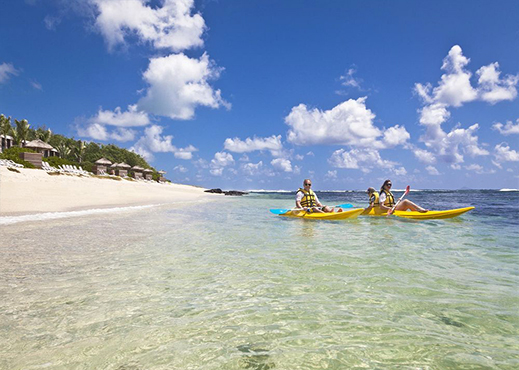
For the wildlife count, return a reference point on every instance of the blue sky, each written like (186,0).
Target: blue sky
(262,94)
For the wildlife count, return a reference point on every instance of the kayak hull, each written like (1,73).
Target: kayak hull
(349,214)
(431,215)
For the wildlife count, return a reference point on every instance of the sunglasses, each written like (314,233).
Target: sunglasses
(308,184)
(389,184)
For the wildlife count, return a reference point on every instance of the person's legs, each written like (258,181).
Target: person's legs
(405,204)
(327,209)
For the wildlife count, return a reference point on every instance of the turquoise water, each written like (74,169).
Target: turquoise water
(227,285)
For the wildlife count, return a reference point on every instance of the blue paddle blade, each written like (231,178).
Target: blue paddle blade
(279,211)
(347,205)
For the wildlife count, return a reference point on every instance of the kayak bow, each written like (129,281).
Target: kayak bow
(352,213)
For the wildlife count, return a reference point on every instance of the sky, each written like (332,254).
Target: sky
(256,95)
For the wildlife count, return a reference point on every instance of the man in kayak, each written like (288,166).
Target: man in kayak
(386,200)
(307,199)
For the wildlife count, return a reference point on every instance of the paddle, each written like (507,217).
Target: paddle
(278,211)
(402,197)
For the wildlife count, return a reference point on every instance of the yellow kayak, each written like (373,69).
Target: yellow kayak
(430,215)
(351,213)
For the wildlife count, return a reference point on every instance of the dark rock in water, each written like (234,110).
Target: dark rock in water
(216,191)
(229,192)
(235,193)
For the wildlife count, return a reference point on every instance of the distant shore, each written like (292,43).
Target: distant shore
(32,191)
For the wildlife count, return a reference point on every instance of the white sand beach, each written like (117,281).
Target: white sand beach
(34,191)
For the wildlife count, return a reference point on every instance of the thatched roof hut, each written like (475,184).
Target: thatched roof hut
(103,162)
(124,165)
(38,145)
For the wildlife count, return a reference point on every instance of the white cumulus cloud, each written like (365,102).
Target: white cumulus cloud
(508,129)
(252,169)
(453,90)
(282,164)
(272,143)
(178,84)
(432,170)
(130,118)
(503,153)
(219,162)
(349,123)
(171,26)
(154,142)
(364,159)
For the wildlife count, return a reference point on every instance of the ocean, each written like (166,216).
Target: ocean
(228,285)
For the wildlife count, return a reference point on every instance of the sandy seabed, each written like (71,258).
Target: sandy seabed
(34,191)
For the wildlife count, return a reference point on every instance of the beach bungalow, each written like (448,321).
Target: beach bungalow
(122,169)
(162,178)
(7,142)
(42,147)
(148,174)
(101,165)
(137,172)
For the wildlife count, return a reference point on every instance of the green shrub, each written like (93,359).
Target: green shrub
(13,154)
(57,161)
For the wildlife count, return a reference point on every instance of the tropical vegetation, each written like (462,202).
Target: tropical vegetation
(70,151)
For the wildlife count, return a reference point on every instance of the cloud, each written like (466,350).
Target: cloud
(131,118)
(493,89)
(395,135)
(178,84)
(432,170)
(331,174)
(282,164)
(171,26)
(453,90)
(154,142)
(348,123)
(6,71)
(364,159)
(503,153)
(424,156)
(509,129)
(349,80)
(475,167)
(272,143)
(100,132)
(180,169)
(252,169)
(36,85)
(219,162)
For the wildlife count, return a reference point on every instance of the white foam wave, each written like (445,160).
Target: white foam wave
(9,220)
(508,189)
(270,191)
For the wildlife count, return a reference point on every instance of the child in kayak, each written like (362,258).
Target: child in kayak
(386,200)
(307,199)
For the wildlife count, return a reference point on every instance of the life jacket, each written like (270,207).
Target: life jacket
(390,199)
(373,198)
(308,198)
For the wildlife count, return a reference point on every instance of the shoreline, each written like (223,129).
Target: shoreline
(33,191)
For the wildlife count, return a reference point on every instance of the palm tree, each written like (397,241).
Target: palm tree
(79,150)
(63,149)
(21,132)
(44,135)
(5,129)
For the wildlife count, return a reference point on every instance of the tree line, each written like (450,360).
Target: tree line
(70,151)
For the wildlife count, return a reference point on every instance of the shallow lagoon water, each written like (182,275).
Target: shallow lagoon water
(227,285)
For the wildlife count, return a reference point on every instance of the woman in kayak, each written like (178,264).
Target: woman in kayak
(386,200)
(307,199)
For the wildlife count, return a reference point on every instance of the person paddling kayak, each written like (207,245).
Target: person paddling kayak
(386,200)
(373,199)
(307,199)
